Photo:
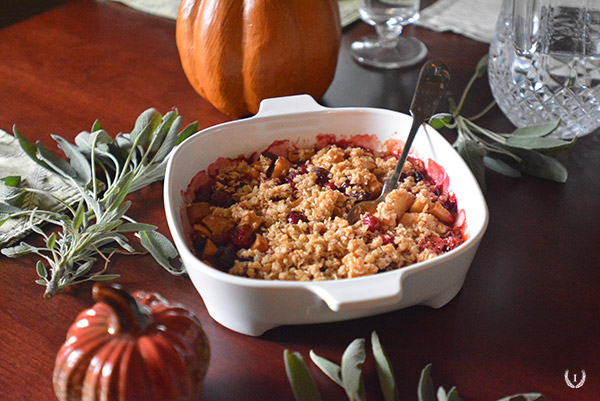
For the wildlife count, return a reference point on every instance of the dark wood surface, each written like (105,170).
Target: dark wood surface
(528,310)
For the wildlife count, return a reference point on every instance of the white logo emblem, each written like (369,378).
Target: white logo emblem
(577,385)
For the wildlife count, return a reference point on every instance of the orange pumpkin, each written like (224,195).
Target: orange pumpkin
(136,347)
(236,53)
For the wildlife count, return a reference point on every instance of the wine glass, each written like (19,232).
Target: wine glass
(388,49)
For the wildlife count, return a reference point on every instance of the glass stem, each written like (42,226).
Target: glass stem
(388,34)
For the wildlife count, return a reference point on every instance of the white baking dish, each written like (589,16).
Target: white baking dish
(252,306)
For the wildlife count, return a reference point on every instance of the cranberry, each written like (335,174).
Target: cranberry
(418,176)
(225,257)
(241,236)
(345,184)
(451,205)
(199,243)
(372,223)
(360,195)
(302,169)
(221,199)
(331,185)
(386,239)
(289,178)
(322,175)
(295,217)
(389,268)
(202,194)
(450,243)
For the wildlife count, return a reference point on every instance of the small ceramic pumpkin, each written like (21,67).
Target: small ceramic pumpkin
(236,53)
(127,348)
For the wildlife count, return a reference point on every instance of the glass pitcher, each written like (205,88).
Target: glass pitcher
(544,64)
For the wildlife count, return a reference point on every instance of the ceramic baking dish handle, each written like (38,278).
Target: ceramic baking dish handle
(359,294)
(288,105)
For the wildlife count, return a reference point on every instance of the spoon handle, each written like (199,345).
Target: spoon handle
(432,82)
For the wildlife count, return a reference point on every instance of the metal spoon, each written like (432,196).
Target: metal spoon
(433,79)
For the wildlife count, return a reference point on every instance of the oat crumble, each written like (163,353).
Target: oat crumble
(282,217)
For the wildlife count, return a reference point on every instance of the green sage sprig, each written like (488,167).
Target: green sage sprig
(528,150)
(104,171)
(348,375)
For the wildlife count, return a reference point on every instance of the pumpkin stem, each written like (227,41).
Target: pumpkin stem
(131,317)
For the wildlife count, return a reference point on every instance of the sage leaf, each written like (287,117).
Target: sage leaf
(453,395)
(79,217)
(384,370)
(18,250)
(441,394)
(534,131)
(538,143)
(472,153)
(501,167)
(58,165)
(542,166)
(302,383)
(104,226)
(84,268)
(524,397)
(11,181)
(158,135)
(29,148)
(135,227)
(351,368)
(169,141)
(187,132)
(440,120)
(79,163)
(482,67)
(105,277)
(99,140)
(161,249)
(41,269)
(51,242)
(144,126)
(425,391)
(332,370)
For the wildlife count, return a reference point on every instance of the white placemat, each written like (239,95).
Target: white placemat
(168,8)
(15,162)
(475,19)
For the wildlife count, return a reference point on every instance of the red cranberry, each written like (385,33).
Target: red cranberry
(225,257)
(371,222)
(386,239)
(418,176)
(302,169)
(389,268)
(331,185)
(241,236)
(199,243)
(202,194)
(294,217)
(451,205)
(289,178)
(322,175)
(221,199)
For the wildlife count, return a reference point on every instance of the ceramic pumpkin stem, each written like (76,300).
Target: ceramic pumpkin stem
(131,317)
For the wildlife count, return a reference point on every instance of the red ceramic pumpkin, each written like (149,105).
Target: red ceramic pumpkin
(236,53)
(128,348)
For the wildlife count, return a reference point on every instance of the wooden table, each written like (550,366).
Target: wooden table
(528,310)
